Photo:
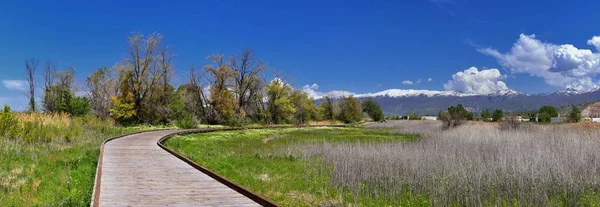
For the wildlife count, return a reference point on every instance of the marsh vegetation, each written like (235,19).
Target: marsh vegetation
(474,164)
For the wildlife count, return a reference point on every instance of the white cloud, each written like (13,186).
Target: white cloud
(478,82)
(429,79)
(595,41)
(311,90)
(20,85)
(418,81)
(338,93)
(559,65)
(407,82)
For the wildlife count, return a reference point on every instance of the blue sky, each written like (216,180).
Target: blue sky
(356,46)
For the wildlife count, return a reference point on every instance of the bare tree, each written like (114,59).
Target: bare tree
(222,102)
(145,64)
(198,98)
(247,74)
(102,85)
(49,71)
(30,68)
(49,80)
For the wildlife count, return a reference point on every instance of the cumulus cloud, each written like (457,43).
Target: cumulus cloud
(474,81)
(311,90)
(559,65)
(20,85)
(429,79)
(595,41)
(407,82)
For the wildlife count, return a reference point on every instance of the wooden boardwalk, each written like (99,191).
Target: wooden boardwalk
(137,172)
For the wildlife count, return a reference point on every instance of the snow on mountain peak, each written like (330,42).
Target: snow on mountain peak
(412,92)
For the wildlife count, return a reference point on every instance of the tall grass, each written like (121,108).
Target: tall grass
(472,165)
(50,159)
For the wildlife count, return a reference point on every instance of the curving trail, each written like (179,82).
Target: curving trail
(135,171)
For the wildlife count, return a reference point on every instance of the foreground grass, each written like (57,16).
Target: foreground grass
(56,172)
(261,161)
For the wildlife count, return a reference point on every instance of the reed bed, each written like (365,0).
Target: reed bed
(475,164)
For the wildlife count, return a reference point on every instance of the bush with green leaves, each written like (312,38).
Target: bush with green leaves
(575,114)
(373,109)
(8,123)
(497,115)
(350,110)
(186,122)
(486,115)
(455,116)
(546,113)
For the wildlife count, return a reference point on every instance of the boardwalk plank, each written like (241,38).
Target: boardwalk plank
(137,172)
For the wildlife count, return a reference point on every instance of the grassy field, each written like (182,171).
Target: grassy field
(476,164)
(267,162)
(50,160)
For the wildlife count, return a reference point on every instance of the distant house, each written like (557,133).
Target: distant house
(595,119)
(521,119)
(557,119)
(429,118)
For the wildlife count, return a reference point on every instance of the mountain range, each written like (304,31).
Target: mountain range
(402,101)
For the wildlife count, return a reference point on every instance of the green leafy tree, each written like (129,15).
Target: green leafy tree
(78,106)
(326,108)
(59,97)
(350,111)
(470,116)
(373,109)
(575,114)
(279,106)
(222,99)
(123,108)
(546,113)
(497,115)
(455,116)
(485,115)
(305,107)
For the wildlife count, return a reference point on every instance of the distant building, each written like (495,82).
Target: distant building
(595,119)
(429,118)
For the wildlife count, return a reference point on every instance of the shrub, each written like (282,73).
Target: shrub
(237,121)
(455,116)
(187,122)
(510,123)
(575,114)
(497,115)
(546,113)
(373,109)
(8,123)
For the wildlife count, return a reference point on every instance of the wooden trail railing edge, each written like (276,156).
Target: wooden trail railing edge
(253,196)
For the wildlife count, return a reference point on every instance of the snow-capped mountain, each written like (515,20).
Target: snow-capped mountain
(395,93)
(401,101)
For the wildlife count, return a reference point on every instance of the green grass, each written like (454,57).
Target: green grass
(59,172)
(256,159)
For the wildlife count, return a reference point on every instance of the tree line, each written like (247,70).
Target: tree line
(232,90)
(456,115)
